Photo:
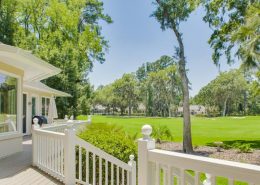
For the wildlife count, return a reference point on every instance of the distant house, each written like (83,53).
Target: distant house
(99,109)
(194,110)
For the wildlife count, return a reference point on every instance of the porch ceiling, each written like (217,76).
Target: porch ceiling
(34,68)
(38,86)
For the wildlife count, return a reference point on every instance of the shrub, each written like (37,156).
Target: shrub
(161,133)
(110,138)
(244,148)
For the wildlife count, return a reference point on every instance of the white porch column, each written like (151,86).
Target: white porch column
(144,145)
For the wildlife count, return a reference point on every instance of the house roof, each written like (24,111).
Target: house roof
(39,86)
(34,68)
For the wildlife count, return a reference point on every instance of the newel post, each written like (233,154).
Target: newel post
(132,163)
(34,141)
(144,145)
(69,157)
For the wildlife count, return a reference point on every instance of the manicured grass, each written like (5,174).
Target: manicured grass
(204,130)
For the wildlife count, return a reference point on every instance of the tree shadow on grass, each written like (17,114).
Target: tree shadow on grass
(254,144)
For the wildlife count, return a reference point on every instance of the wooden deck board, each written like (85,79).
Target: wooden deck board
(17,169)
(30,176)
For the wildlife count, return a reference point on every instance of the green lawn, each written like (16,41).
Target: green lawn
(204,130)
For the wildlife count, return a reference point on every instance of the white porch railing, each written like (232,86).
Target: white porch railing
(48,152)
(105,169)
(73,160)
(156,167)
(61,126)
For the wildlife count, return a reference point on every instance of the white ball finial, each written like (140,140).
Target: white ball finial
(131,157)
(35,121)
(147,131)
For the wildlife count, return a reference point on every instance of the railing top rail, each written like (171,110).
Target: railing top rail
(103,154)
(235,170)
(47,132)
(54,126)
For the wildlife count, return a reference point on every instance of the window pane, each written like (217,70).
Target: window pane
(8,103)
(47,105)
(43,106)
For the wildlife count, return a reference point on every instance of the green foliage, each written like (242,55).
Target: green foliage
(231,22)
(125,89)
(161,133)
(164,89)
(225,93)
(248,37)
(110,138)
(242,147)
(121,94)
(8,23)
(64,33)
(155,87)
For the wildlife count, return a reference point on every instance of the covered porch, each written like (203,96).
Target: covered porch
(17,169)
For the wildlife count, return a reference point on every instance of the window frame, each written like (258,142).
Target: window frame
(19,104)
(46,106)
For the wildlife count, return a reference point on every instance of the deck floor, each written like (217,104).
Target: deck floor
(17,169)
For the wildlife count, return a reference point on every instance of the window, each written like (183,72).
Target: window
(8,103)
(45,106)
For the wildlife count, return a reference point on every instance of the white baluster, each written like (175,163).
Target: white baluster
(117,175)
(56,154)
(62,157)
(169,175)
(128,178)
(197,178)
(182,177)
(112,173)
(210,180)
(123,176)
(106,173)
(230,181)
(157,174)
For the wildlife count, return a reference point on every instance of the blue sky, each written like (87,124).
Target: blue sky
(135,38)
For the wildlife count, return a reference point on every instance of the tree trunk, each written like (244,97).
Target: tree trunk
(121,111)
(187,140)
(245,103)
(225,107)
(129,110)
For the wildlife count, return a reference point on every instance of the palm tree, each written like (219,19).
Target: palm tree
(248,37)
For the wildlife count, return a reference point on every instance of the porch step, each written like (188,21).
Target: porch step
(30,176)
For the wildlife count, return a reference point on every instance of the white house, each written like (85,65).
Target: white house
(194,110)
(22,95)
